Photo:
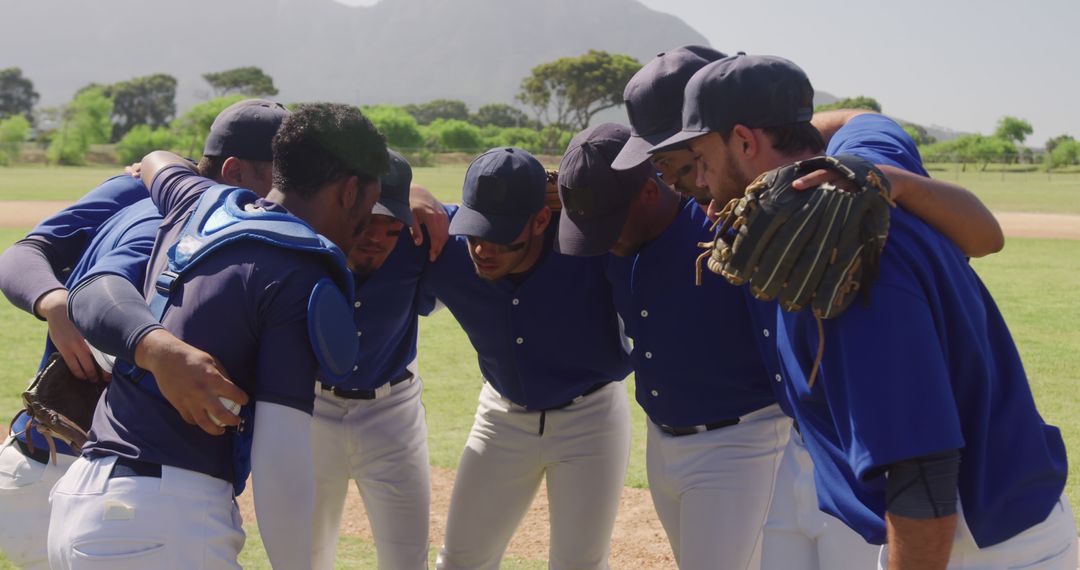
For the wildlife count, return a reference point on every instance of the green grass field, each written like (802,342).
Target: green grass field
(1003,191)
(1042,321)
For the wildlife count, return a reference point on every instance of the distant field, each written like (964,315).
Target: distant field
(1006,191)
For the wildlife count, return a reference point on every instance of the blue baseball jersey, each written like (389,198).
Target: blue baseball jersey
(673,323)
(927,365)
(246,304)
(544,341)
(386,308)
(109,230)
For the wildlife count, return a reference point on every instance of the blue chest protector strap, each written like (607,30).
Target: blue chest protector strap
(224,215)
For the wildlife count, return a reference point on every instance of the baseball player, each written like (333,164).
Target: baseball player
(549,347)
(249,280)
(371,428)
(715,433)
(651,215)
(110,230)
(900,423)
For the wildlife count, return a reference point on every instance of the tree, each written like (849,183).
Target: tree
(860,102)
(250,81)
(971,148)
(453,135)
(149,100)
(431,111)
(17,95)
(1052,143)
(1013,129)
(14,131)
(399,127)
(918,134)
(1065,153)
(500,115)
(85,122)
(191,128)
(567,92)
(141,140)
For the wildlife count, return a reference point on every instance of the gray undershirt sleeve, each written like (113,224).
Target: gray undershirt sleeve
(924,487)
(111,314)
(26,274)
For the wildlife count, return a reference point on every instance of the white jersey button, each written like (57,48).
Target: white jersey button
(644,313)
(516,302)
(359,333)
(355,368)
(520,340)
(778,378)
(766,333)
(356,304)
(648,355)
(655,393)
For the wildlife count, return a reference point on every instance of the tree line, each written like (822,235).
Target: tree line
(559,97)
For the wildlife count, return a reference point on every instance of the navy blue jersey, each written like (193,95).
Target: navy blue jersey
(674,324)
(386,309)
(544,341)
(927,365)
(246,304)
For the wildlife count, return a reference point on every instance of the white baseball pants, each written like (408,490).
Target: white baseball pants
(382,445)
(583,452)
(1049,545)
(24,502)
(184,519)
(712,489)
(798,535)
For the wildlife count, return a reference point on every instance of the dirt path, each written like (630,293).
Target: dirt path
(638,542)
(1016,224)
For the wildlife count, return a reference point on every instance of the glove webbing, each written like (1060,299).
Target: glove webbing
(30,439)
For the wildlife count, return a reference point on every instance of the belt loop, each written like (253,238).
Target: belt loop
(543,418)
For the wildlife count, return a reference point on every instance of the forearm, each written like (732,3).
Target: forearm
(919,544)
(112,315)
(157,161)
(948,208)
(283,482)
(26,275)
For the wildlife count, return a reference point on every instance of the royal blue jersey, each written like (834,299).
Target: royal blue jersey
(674,323)
(386,308)
(245,303)
(926,365)
(544,341)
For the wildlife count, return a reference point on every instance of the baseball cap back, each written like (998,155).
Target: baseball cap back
(756,91)
(503,188)
(654,100)
(245,130)
(596,198)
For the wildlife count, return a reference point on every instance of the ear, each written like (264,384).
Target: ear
(744,141)
(650,191)
(232,172)
(543,218)
(349,190)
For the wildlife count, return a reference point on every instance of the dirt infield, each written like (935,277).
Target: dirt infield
(1016,224)
(638,541)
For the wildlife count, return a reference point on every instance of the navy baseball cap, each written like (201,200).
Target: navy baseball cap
(596,198)
(394,198)
(245,130)
(756,91)
(503,188)
(654,100)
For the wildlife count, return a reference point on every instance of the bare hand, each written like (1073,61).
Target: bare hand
(134,171)
(191,380)
(551,198)
(711,212)
(52,307)
(428,211)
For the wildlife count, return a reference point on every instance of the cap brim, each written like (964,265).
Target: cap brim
(501,229)
(637,149)
(677,141)
(394,209)
(592,237)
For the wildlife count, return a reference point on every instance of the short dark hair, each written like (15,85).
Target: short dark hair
(323,142)
(791,138)
(210,166)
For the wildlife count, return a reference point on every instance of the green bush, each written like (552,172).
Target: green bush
(14,131)
(139,141)
(453,135)
(86,121)
(401,130)
(1065,153)
(528,139)
(190,129)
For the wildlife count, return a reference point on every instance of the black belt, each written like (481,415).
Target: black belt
(125,467)
(38,454)
(568,403)
(364,394)
(691,430)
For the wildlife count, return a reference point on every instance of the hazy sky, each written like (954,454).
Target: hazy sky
(954,63)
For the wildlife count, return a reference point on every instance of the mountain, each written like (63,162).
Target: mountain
(397,51)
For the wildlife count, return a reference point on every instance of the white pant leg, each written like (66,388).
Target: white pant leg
(330,456)
(798,535)
(392,471)
(586,449)
(1049,545)
(663,486)
(497,478)
(724,481)
(182,520)
(24,502)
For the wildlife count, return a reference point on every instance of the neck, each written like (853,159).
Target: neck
(667,209)
(535,250)
(301,208)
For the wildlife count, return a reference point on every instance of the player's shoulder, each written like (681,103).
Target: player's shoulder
(880,140)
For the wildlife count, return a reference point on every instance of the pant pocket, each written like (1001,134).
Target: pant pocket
(143,552)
